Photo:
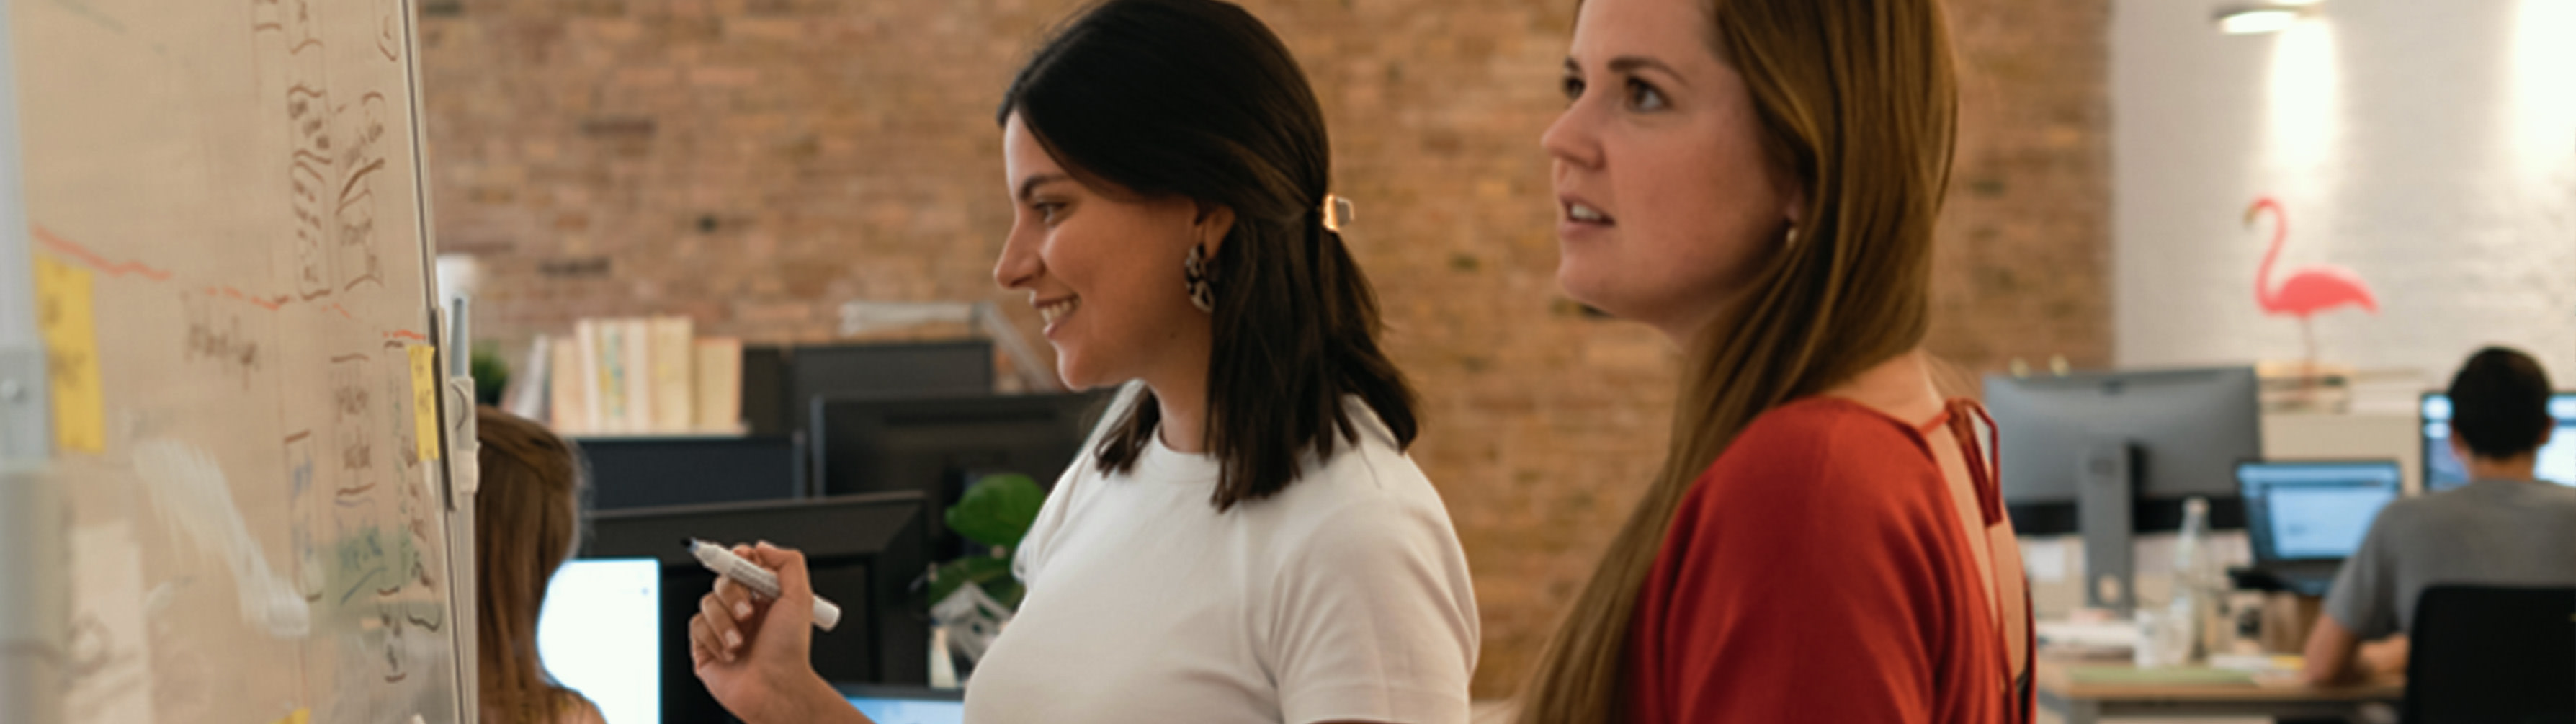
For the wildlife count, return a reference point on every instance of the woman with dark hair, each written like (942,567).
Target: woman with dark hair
(1759,180)
(1244,540)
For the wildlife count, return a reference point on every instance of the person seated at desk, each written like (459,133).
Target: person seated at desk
(2503,528)
(527,520)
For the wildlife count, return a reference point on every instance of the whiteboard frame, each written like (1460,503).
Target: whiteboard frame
(458,477)
(35,593)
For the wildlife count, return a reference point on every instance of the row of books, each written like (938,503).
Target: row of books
(632,376)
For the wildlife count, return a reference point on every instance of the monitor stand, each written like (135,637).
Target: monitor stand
(2106,491)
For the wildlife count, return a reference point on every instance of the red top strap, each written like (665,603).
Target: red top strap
(1963,416)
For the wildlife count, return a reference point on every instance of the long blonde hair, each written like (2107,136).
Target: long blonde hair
(527,520)
(1856,99)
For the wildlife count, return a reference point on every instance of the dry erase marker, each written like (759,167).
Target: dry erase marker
(756,578)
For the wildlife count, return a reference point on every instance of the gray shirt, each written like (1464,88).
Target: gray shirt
(2490,532)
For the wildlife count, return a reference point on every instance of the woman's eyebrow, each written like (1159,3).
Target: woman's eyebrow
(1630,63)
(1030,185)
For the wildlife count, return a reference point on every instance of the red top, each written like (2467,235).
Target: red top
(1818,572)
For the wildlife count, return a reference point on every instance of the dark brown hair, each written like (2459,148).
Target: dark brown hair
(1857,102)
(527,520)
(1197,99)
(2500,403)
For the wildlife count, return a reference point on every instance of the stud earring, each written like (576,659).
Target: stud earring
(1194,279)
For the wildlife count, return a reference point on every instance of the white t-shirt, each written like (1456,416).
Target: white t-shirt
(1343,597)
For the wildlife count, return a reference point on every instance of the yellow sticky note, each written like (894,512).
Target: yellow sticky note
(424,399)
(301,716)
(64,315)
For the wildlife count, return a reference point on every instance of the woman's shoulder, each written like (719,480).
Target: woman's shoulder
(1366,472)
(1825,428)
(1366,453)
(569,707)
(1365,486)
(1827,445)
(579,710)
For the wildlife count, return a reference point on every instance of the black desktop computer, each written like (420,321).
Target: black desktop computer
(2443,469)
(644,472)
(863,551)
(2115,453)
(937,445)
(779,384)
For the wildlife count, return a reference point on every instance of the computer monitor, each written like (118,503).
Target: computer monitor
(935,445)
(2444,470)
(780,383)
(644,472)
(864,553)
(906,704)
(889,369)
(600,634)
(2314,510)
(2110,454)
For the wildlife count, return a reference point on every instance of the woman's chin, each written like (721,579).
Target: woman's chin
(1582,290)
(1070,372)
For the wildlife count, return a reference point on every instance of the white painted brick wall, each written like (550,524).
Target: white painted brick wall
(2429,146)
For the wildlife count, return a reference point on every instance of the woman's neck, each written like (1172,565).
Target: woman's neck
(1184,424)
(1181,391)
(1901,387)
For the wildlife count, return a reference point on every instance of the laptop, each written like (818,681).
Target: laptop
(890,704)
(600,634)
(2305,517)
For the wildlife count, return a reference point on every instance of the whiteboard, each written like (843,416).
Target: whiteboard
(221,224)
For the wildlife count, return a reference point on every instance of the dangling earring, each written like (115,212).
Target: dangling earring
(1194,279)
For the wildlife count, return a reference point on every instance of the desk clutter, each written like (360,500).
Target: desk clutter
(2180,540)
(2249,632)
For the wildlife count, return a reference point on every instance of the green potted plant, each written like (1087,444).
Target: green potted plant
(973,596)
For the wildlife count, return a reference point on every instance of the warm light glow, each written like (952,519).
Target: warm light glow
(2544,104)
(2302,107)
(2261,20)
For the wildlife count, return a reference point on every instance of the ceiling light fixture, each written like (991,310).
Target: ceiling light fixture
(2270,17)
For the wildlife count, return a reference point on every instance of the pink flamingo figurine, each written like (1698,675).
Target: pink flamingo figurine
(2309,290)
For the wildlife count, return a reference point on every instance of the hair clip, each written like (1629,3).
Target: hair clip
(1336,212)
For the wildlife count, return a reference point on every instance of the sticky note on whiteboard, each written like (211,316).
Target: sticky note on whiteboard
(424,399)
(64,315)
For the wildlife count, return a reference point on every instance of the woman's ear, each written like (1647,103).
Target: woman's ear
(1210,227)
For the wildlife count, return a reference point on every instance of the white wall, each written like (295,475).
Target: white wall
(2427,145)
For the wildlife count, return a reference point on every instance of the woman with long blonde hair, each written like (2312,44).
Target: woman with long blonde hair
(527,521)
(1758,179)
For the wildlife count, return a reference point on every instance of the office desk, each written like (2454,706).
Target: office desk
(2087,703)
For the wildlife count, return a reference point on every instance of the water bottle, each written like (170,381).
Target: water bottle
(2192,603)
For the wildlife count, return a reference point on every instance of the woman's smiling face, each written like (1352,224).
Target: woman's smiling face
(1103,267)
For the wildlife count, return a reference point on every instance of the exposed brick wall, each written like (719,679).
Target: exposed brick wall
(753,163)
(2023,263)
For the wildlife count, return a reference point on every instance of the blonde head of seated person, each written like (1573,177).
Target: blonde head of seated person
(527,520)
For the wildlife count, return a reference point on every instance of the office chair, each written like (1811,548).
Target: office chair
(2492,655)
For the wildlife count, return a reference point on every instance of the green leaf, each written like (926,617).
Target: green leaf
(997,509)
(978,570)
(490,373)
(1008,591)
